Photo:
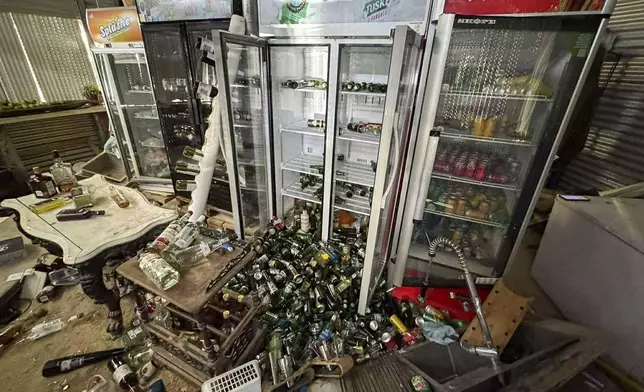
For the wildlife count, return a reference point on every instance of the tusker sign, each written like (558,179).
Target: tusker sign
(117,25)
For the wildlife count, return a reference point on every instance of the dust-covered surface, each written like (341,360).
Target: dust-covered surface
(21,363)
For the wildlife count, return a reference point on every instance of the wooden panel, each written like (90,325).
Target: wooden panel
(503,310)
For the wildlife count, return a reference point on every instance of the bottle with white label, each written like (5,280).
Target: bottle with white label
(190,169)
(158,270)
(188,234)
(192,153)
(185,185)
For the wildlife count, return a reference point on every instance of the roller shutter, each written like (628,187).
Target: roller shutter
(613,155)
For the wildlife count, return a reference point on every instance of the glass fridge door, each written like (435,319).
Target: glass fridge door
(243,95)
(138,114)
(375,109)
(505,88)
(117,123)
(299,100)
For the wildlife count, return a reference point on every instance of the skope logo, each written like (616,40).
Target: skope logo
(477,21)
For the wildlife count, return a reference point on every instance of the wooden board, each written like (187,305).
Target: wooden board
(503,310)
(190,293)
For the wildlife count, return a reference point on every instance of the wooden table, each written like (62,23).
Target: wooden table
(189,299)
(98,242)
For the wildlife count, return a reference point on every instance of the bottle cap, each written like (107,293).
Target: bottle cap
(226,314)
(240,298)
(55,154)
(225,296)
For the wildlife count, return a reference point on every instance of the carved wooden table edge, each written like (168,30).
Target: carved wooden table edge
(103,264)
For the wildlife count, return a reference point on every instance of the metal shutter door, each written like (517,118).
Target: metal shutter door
(613,155)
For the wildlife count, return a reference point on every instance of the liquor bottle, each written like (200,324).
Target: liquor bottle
(316,123)
(305,222)
(62,173)
(349,86)
(382,88)
(118,196)
(188,234)
(123,375)
(372,87)
(228,325)
(170,232)
(158,270)
(190,169)
(42,187)
(185,185)
(189,256)
(192,153)
(356,87)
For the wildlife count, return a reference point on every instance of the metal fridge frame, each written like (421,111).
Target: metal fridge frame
(110,81)
(426,149)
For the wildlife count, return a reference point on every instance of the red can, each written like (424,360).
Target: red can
(481,167)
(388,341)
(498,178)
(442,167)
(459,167)
(442,155)
(471,165)
(453,155)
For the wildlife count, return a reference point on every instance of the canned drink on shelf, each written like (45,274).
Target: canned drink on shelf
(499,178)
(481,169)
(488,129)
(471,165)
(452,204)
(478,127)
(460,207)
(476,214)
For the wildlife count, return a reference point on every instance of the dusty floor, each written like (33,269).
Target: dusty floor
(21,363)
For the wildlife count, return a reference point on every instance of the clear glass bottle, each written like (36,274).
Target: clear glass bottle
(62,173)
(118,196)
(158,270)
(168,235)
(188,234)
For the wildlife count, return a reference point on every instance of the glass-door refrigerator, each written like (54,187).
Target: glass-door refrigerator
(330,126)
(500,92)
(132,108)
(174,58)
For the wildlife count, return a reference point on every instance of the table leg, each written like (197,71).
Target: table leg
(141,304)
(94,287)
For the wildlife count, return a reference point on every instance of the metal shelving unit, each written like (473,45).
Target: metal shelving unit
(450,133)
(465,218)
(355,173)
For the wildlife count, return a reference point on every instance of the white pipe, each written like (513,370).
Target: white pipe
(213,135)
(428,167)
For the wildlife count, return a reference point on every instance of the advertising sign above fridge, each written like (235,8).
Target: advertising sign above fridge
(286,13)
(115,26)
(151,11)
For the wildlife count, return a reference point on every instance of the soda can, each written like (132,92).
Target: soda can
(498,178)
(388,341)
(478,127)
(481,168)
(471,166)
(400,327)
(458,169)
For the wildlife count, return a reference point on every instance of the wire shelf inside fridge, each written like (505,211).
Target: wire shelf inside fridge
(355,173)
(295,191)
(483,95)
(302,164)
(448,177)
(356,204)
(301,127)
(465,218)
(368,138)
(449,259)
(305,90)
(464,135)
(364,93)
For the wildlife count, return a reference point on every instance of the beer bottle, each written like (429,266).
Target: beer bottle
(382,88)
(372,87)
(349,86)
(356,87)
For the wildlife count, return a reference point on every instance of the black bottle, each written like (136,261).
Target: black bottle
(123,375)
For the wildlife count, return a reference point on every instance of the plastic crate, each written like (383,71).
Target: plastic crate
(244,378)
